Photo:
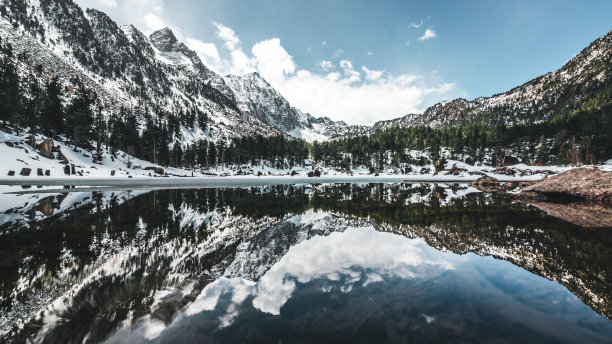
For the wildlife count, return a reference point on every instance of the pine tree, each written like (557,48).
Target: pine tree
(10,91)
(52,113)
(100,133)
(80,118)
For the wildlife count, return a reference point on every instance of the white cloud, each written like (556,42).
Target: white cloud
(273,61)
(370,53)
(324,43)
(326,65)
(350,74)
(415,25)
(345,95)
(152,22)
(239,62)
(208,51)
(372,75)
(429,33)
(407,43)
(227,35)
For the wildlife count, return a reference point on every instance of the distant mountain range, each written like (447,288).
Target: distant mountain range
(587,76)
(158,75)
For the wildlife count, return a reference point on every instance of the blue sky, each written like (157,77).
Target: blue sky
(362,61)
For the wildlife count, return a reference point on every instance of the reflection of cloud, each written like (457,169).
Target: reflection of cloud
(208,299)
(334,256)
(428,318)
(357,255)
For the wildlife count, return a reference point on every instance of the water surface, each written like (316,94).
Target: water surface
(298,263)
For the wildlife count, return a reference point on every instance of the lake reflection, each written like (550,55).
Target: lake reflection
(309,263)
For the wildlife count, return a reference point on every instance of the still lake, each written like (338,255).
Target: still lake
(320,263)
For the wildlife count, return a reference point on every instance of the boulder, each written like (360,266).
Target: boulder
(67,169)
(470,161)
(293,173)
(45,148)
(372,170)
(425,170)
(11,173)
(589,183)
(72,169)
(510,160)
(486,184)
(39,172)
(47,173)
(511,185)
(259,174)
(155,169)
(315,173)
(439,165)
(456,170)
(61,156)
(25,171)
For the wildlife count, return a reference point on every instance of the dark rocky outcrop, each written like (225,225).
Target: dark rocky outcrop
(439,165)
(315,173)
(510,160)
(25,171)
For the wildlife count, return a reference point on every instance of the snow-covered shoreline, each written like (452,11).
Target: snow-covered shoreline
(65,165)
(247,180)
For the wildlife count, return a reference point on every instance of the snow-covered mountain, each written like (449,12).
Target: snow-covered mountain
(586,77)
(255,96)
(154,75)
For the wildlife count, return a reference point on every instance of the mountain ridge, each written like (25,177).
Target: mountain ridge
(539,99)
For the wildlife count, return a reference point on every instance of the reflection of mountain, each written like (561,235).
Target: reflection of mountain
(94,269)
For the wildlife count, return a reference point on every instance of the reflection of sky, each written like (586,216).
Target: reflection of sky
(356,256)
(337,254)
(481,289)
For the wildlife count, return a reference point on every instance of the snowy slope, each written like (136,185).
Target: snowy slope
(17,154)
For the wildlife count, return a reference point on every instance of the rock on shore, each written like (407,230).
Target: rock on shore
(589,183)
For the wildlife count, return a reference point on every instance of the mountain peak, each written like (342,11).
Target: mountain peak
(164,39)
